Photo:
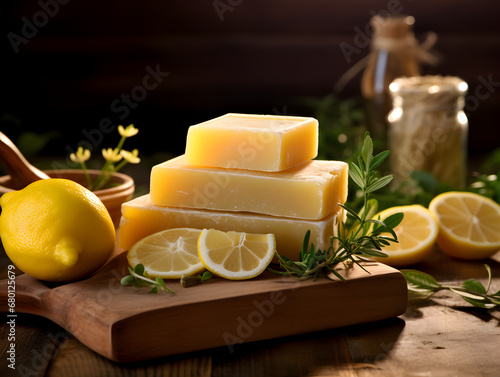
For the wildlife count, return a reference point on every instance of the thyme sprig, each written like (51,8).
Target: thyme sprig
(422,285)
(139,278)
(366,236)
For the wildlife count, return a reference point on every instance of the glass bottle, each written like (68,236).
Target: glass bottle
(393,54)
(428,129)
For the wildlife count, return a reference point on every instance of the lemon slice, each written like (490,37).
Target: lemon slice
(469,224)
(235,255)
(416,233)
(169,254)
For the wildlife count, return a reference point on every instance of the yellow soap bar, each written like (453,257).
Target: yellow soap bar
(311,190)
(140,218)
(254,142)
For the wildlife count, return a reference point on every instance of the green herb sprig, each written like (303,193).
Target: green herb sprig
(188,281)
(140,278)
(364,238)
(423,285)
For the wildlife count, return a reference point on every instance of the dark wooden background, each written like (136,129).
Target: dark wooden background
(252,56)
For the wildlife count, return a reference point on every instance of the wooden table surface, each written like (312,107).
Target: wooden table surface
(441,336)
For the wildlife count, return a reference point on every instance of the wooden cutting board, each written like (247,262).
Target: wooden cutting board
(108,317)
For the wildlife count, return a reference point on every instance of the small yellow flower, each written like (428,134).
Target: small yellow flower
(80,156)
(131,156)
(111,155)
(129,131)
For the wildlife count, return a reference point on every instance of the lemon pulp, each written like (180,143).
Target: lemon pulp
(469,224)
(169,254)
(416,233)
(235,255)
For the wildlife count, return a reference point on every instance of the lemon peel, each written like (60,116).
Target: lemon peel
(417,234)
(168,254)
(469,224)
(235,255)
(56,230)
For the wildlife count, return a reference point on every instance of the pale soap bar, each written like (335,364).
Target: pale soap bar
(311,190)
(140,218)
(254,142)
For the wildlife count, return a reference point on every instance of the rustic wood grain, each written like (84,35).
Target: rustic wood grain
(75,360)
(442,336)
(107,316)
(36,342)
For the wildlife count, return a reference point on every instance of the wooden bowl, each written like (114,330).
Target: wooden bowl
(112,197)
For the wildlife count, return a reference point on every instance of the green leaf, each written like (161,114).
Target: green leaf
(466,294)
(378,159)
(370,209)
(387,239)
(338,275)
(139,269)
(368,252)
(305,245)
(381,228)
(419,294)
(356,175)
(367,150)
(305,242)
(161,283)
(311,258)
(495,301)
(377,184)
(383,242)
(127,280)
(351,212)
(488,269)
(474,286)
(477,303)
(137,283)
(362,166)
(393,220)
(421,280)
(206,276)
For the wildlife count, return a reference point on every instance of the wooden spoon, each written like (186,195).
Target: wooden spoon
(22,173)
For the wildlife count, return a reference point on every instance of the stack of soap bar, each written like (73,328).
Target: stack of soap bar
(311,190)
(255,142)
(247,173)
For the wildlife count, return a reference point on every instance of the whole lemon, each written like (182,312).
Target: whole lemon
(56,230)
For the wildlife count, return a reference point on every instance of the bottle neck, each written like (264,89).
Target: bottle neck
(407,45)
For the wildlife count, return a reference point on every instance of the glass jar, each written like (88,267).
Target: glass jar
(393,54)
(428,129)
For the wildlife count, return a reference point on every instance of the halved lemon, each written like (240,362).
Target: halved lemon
(169,254)
(416,233)
(235,255)
(469,224)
